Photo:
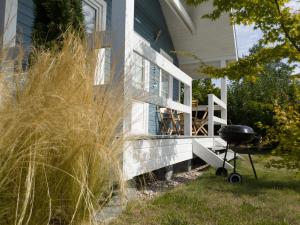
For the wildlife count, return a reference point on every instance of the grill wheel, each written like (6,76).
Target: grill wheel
(221,172)
(235,178)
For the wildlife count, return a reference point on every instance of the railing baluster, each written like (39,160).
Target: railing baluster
(188,116)
(211,115)
(212,120)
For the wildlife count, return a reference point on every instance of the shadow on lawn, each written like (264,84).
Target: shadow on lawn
(250,186)
(256,187)
(268,179)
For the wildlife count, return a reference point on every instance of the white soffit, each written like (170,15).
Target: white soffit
(212,41)
(182,14)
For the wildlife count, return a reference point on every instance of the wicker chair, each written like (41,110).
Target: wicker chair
(198,124)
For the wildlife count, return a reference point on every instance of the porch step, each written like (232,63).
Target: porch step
(217,149)
(229,156)
(220,151)
(211,157)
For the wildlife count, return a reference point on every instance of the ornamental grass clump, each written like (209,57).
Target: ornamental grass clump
(59,155)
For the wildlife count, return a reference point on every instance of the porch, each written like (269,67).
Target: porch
(146,151)
(152,81)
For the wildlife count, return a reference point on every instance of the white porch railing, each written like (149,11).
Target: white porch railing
(125,42)
(214,104)
(142,48)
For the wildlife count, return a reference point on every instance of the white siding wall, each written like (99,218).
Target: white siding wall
(142,156)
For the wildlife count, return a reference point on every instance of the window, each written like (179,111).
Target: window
(94,12)
(154,80)
(90,15)
(138,78)
(139,118)
(164,90)
(176,90)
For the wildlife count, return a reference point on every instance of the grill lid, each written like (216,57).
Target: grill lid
(237,134)
(236,129)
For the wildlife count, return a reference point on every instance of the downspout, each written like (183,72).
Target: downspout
(235,40)
(177,7)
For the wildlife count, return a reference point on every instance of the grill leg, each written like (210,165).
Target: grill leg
(252,165)
(234,162)
(224,160)
(221,171)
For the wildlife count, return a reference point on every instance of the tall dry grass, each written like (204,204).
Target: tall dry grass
(59,155)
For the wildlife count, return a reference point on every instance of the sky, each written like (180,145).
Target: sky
(246,36)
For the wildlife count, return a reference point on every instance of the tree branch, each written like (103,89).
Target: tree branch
(284,28)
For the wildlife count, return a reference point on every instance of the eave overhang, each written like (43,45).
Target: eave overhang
(178,9)
(212,41)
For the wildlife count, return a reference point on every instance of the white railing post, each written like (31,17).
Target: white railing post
(122,35)
(224,98)
(210,115)
(8,22)
(122,29)
(188,116)
(224,93)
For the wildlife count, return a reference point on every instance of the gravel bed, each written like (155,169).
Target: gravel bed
(151,188)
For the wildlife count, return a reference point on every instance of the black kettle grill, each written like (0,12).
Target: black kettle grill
(235,135)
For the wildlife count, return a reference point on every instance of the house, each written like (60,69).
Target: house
(143,40)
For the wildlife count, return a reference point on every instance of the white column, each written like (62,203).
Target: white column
(224,93)
(122,28)
(8,31)
(122,31)
(210,115)
(8,22)
(188,116)
(170,96)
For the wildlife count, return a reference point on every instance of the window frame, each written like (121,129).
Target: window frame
(162,93)
(101,11)
(138,67)
(99,5)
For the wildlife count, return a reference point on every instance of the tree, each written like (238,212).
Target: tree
(279,24)
(201,88)
(53,18)
(253,102)
(270,104)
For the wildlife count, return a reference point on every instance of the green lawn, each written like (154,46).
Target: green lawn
(274,199)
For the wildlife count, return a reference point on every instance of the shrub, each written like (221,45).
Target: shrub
(285,133)
(58,148)
(252,102)
(53,18)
